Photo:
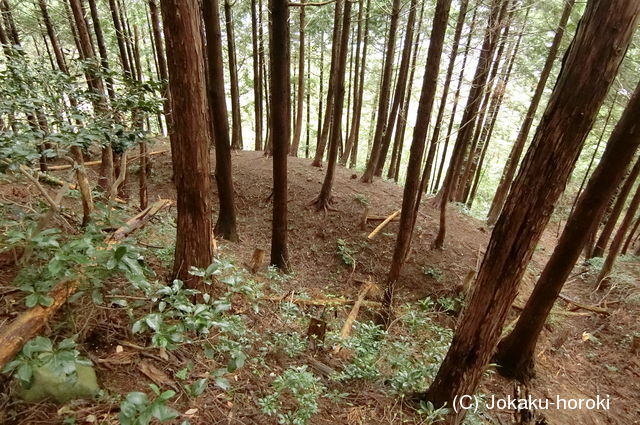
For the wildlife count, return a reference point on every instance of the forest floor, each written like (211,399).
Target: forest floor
(581,353)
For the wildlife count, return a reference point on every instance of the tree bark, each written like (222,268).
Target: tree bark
(516,151)
(498,8)
(297,134)
(279,54)
(618,206)
(161,58)
(412,193)
(323,201)
(328,111)
(589,68)
(257,79)
(190,137)
(604,277)
(456,100)
(401,85)
(515,353)
(383,98)
(236,126)
(226,224)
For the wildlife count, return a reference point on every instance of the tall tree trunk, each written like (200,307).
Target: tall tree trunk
(328,111)
(401,85)
(630,236)
(161,58)
(456,100)
(398,143)
(498,8)
(124,59)
(297,134)
(464,173)
(589,68)
(412,193)
(257,78)
(593,156)
(104,59)
(226,224)
(279,55)
(604,277)
(236,126)
(190,137)
(618,206)
(97,87)
(462,13)
(308,91)
(383,98)
(323,201)
(515,353)
(518,146)
(351,149)
(495,102)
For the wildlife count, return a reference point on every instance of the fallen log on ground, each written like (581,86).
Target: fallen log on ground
(30,323)
(345,332)
(383,224)
(138,221)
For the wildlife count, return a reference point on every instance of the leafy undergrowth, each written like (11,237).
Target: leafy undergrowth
(167,353)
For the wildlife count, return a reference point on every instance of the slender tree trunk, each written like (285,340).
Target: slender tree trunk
(630,236)
(96,85)
(401,86)
(465,131)
(412,193)
(226,224)
(462,179)
(518,146)
(398,142)
(257,78)
(279,55)
(308,91)
(354,132)
(618,206)
(495,103)
(593,156)
(604,277)
(104,59)
(589,68)
(162,62)
(456,100)
(297,134)
(383,99)
(236,126)
(190,137)
(515,353)
(328,112)
(356,90)
(323,201)
(462,13)
(115,15)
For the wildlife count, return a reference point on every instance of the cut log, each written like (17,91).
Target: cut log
(383,224)
(29,324)
(578,305)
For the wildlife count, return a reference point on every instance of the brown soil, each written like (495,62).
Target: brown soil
(579,356)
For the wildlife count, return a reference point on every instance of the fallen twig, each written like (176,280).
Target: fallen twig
(383,224)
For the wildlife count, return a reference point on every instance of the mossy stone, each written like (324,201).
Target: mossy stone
(49,384)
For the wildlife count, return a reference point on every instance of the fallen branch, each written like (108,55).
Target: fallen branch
(345,332)
(383,225)
(138,221)
(593,308)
